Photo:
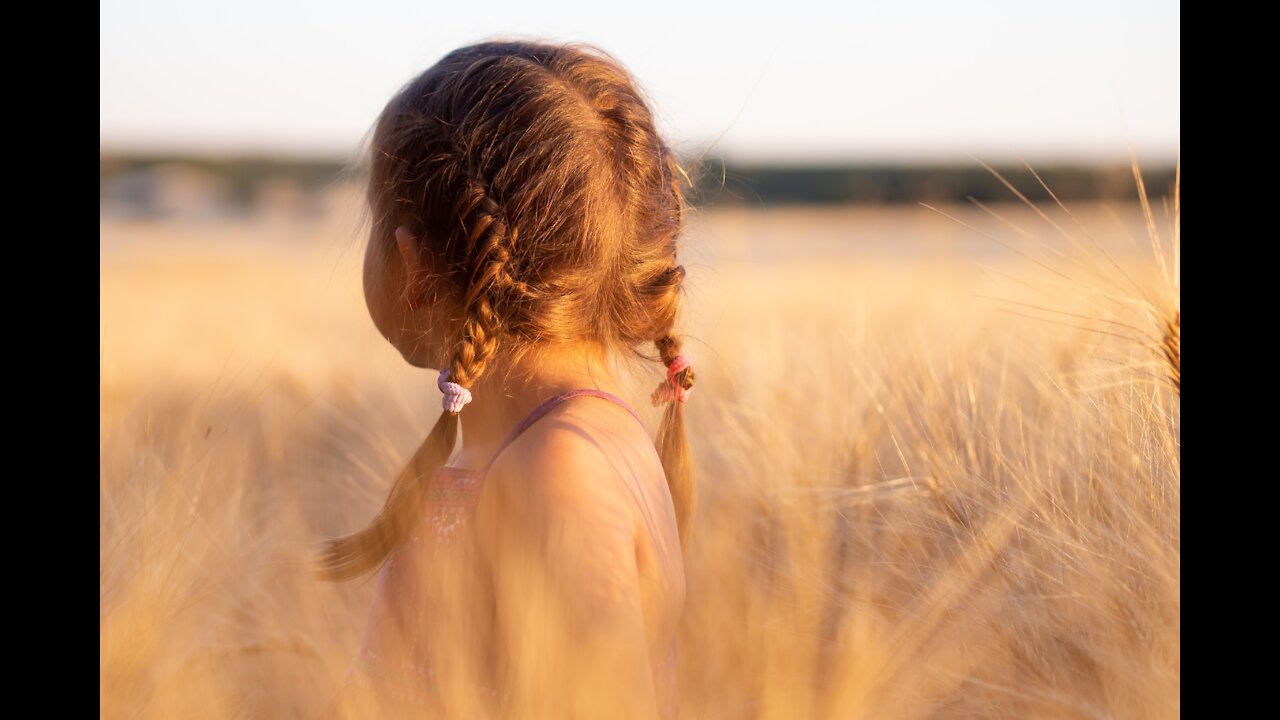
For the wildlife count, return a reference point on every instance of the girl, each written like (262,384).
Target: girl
(525,219)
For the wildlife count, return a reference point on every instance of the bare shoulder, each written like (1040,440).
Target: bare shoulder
(559,528)
(572,475)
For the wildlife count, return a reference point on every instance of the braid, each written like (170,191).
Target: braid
(668,349)
(672,446)
(489,237)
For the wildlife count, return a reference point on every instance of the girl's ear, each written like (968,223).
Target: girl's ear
(416,272)
(410,251)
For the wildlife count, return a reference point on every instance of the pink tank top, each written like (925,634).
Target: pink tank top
(431,619)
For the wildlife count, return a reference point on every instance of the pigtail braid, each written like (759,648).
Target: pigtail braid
(360,553)
(487,239)
(672,446)
(488,235)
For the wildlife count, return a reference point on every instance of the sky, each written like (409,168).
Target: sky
(789,81)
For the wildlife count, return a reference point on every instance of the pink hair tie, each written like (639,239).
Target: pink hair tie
(670,390)
(455,396)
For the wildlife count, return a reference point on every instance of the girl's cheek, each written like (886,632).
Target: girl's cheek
(376,289)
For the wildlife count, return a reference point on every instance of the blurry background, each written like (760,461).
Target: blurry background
(251,106)
(978,513)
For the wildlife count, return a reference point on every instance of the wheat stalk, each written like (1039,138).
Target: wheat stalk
(1171,349)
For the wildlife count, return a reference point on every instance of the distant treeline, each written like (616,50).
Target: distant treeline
(237,182)
(772,185)
(167,184)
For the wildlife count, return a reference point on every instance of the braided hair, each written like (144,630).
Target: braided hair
(551,207)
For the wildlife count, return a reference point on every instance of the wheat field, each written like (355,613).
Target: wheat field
(938,455)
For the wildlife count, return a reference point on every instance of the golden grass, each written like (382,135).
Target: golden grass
(915,500)
(1171,349)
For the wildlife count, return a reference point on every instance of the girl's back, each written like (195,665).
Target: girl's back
(575,499)
(578,524)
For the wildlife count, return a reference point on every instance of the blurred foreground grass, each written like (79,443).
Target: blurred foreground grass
(916,501)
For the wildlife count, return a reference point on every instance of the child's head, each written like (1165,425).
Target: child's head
(521,197)
(527,192)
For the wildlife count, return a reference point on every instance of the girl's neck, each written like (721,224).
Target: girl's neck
(510,390)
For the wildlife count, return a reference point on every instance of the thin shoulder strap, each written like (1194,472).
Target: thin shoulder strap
(546,406)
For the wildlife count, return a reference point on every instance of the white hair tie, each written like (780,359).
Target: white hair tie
(455,396)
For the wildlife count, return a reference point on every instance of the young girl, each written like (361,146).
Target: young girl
(525,220)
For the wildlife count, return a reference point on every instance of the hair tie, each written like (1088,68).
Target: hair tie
(670,390)
(455,396)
